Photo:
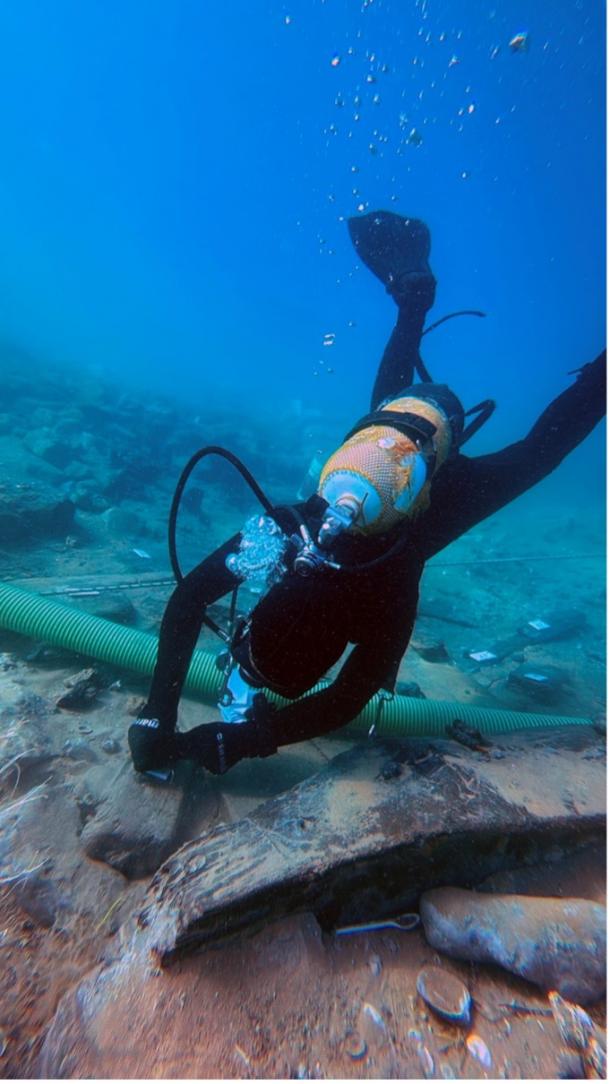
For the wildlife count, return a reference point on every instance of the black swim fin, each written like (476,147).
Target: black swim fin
(396,250)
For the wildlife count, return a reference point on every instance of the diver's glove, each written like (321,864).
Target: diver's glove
(152,747)
(218,746)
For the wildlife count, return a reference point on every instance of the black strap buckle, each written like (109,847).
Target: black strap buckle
(414,426)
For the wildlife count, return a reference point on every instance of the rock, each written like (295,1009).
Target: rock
(82,690)
(111,745)
(45,444)
(430,650)
(113,606)
(137,823)
(445,994)
(25,733)
(40,899)
(122,523)
(85,495)
(33,511)
(79,750)
(559,944)
(467,735)
(409,688)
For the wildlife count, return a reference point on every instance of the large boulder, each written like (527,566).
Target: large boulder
(31,512)
(559,944)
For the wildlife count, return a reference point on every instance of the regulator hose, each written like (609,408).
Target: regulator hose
(61,625)
(211,449)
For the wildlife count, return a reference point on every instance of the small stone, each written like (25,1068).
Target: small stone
(409,688)
(426,1061)
(375,965)
(78,750)
(445,994)
(82,690)
(479,1049)
(430,650)
(111,745)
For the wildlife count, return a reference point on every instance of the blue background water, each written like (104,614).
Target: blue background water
(174,179)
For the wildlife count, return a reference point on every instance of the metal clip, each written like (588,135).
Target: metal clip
(384,696)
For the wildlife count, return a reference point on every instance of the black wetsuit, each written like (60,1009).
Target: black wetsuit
(301,627)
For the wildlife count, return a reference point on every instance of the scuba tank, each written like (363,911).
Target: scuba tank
(382,471)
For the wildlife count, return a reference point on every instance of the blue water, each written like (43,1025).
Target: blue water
(174,178)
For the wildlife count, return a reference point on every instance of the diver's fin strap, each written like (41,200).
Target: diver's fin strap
(412,425)
(484,410)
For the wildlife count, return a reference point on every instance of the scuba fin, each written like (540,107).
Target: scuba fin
(396,250)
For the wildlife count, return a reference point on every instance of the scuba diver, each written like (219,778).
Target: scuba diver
(344,566)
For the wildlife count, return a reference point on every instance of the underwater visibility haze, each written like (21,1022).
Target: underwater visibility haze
(176,270)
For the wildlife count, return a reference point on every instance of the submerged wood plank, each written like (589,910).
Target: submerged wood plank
(363,838)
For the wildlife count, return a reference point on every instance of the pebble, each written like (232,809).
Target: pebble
(430,650)
(78,750)
(375,965)
(111,745)
(445,994)
(426,1061)
(557,943)
(479,1050)
(374,1015)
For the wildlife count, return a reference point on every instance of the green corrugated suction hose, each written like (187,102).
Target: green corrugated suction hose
(64,626)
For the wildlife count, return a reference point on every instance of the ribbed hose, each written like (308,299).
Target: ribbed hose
(64,626)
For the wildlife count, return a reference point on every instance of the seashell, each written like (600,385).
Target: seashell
(445,994)
(479,1050)
(574,1024)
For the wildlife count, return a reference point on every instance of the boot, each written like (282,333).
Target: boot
(396,250)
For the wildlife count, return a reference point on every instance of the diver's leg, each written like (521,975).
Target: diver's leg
(396,250)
